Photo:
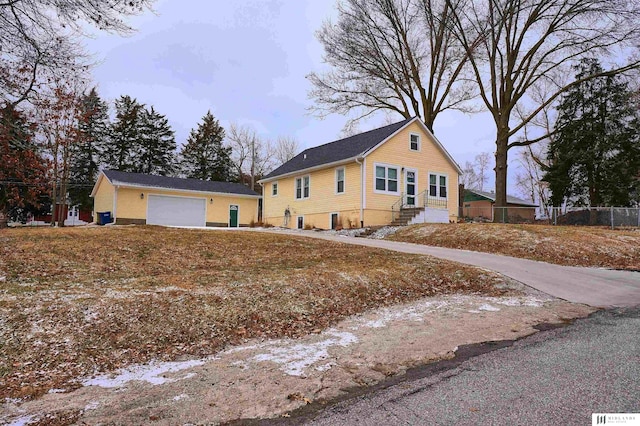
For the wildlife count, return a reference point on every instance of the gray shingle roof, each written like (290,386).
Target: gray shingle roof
(510,199)
(338,150)
(177,183)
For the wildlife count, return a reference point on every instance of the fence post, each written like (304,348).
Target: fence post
(611,217)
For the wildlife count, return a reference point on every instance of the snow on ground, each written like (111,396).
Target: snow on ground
(152,373)
(295,359)
(22,421)
(384,232)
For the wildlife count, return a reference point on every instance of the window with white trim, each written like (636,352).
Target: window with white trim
(300,222)
(437,185)
(414,142)
(340,180)
(386,179)
(302,187)
(274,189)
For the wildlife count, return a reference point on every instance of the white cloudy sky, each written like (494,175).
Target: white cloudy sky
(246,61)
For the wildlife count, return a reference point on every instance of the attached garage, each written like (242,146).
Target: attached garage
(135,198)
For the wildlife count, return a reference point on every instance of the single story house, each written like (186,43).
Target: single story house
(399,172)
(481,204)
(136,198)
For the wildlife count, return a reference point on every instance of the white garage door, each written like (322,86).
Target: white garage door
(176,211)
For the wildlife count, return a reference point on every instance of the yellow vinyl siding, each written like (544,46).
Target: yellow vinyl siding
(397,152)
(103,200)
(129,204)
(323,199)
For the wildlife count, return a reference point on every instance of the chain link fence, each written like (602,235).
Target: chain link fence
(614,217)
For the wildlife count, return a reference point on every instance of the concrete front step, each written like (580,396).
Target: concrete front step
(406,215)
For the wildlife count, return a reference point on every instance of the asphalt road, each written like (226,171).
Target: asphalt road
(591,286)
(554,377)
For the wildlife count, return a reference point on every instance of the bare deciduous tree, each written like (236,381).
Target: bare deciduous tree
(529,177)
(528,43)
(475,173)
(251,155)
(391,55)
(286,147)
(41,39)
(59,116)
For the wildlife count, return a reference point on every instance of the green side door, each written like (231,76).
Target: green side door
(233,216)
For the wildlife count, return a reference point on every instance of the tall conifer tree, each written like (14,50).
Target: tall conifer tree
(126,133)
(86,154)
(157,145)
(204,156)
(595,155)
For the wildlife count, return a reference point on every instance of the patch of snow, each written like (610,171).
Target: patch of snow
(22,421)
(57,391)
(151,373)
(412,313)
(91,406)
(515,301)
(473,311)
(384,232)
(325,367)
(487,307)
(180,397)
(295,359)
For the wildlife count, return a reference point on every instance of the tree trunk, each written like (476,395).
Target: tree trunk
(502,141)
(4,218)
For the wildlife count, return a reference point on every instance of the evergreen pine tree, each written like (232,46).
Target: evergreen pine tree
(204,156)
(126,133)
(94,137)
(157,145)
(595,155)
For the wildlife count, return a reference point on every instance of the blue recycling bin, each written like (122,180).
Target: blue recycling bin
(104,218)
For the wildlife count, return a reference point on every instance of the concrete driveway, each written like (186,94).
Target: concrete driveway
(591,286)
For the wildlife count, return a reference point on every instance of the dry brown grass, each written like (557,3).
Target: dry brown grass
(77,301)
(563,245)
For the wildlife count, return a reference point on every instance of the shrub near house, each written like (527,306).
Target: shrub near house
(361,180)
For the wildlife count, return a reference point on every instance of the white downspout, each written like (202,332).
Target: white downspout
(115,202)
(362,189)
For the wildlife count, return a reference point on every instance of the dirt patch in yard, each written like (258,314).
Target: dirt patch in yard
(272,377)
(80,302)
(562,245)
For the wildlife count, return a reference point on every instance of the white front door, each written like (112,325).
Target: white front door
(410,188)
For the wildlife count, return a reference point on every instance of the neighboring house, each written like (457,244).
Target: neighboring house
(135,198)
(481,204)
(73,216)
(365,180)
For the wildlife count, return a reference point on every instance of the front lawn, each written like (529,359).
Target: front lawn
(77,301)
(563,245)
